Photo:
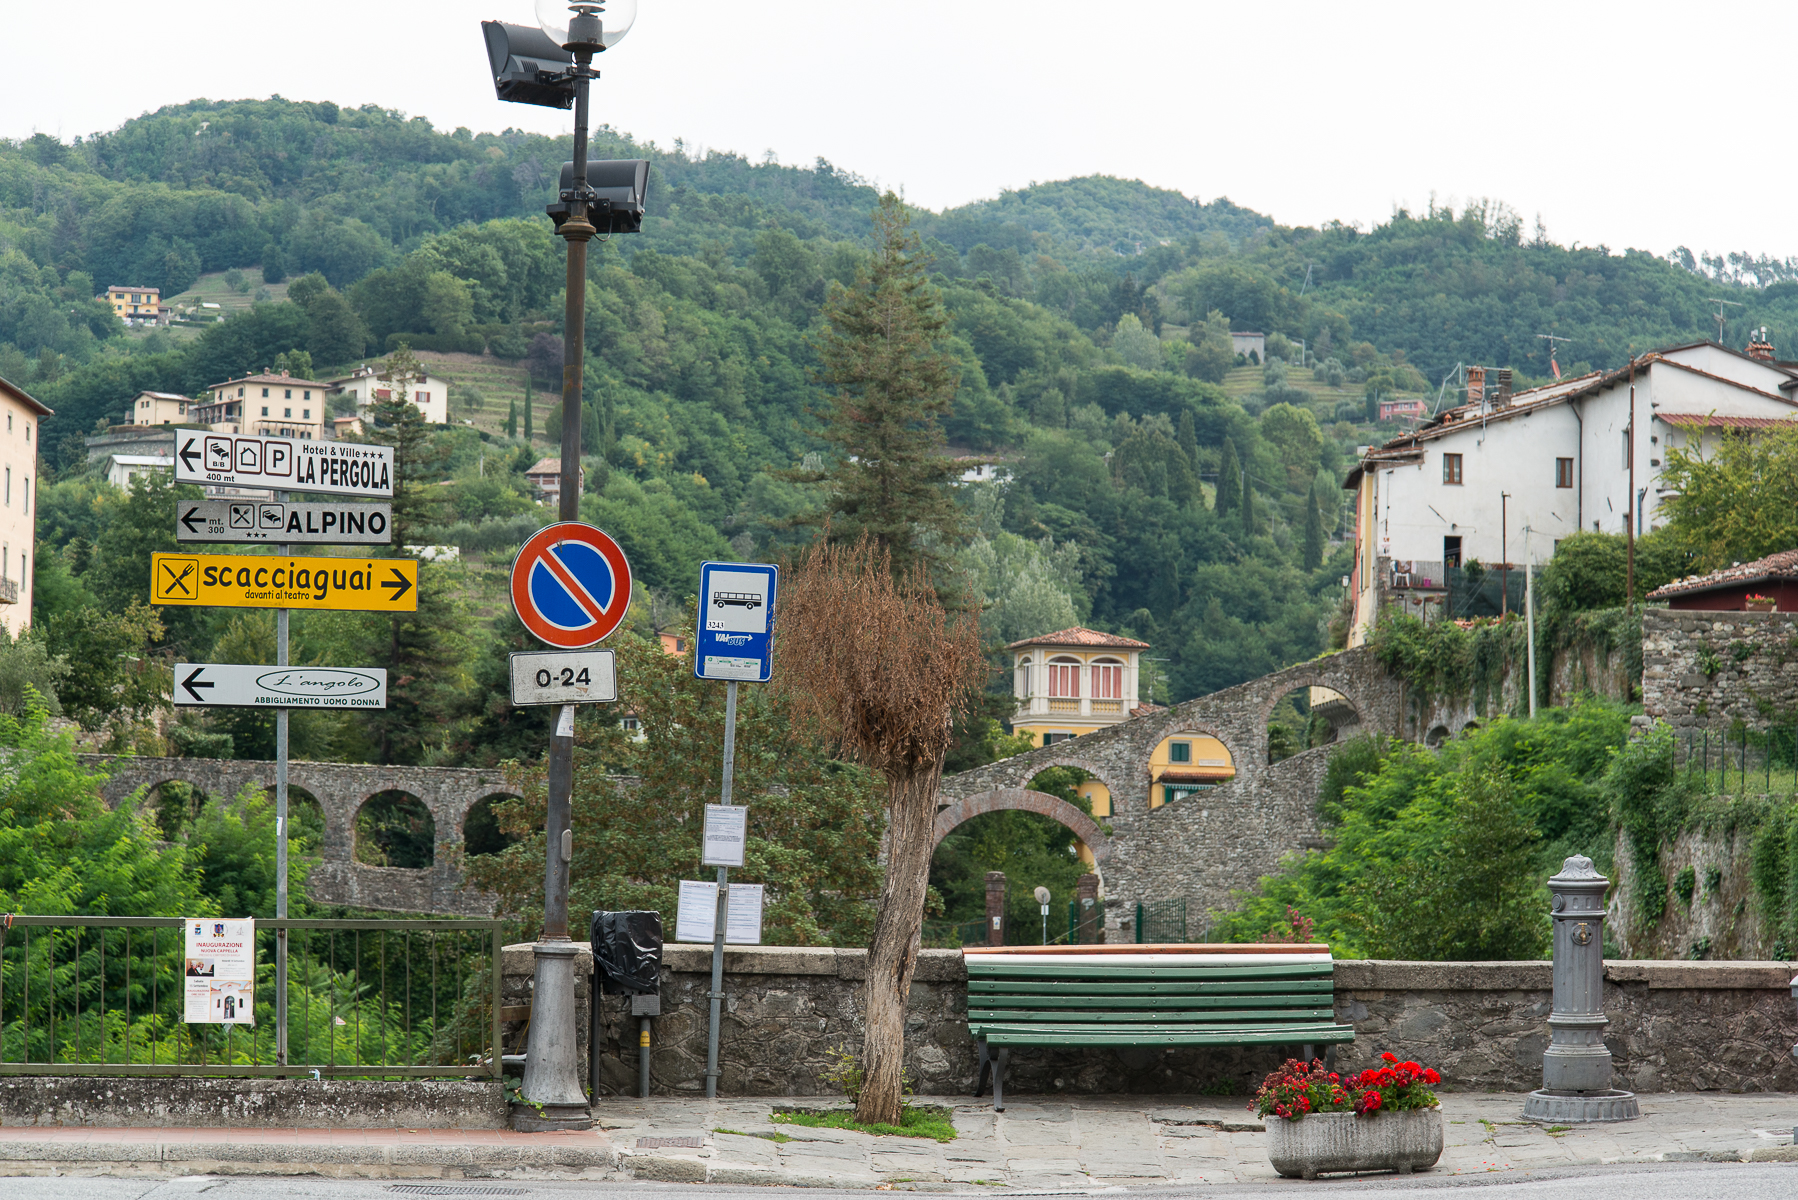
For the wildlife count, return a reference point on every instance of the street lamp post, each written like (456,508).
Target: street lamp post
(553,69)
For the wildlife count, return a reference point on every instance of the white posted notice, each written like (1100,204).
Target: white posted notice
(220,971)
(697,915)
(726,832)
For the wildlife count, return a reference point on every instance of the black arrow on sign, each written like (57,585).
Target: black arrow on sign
(194,681)
(399,583)
(187,519)
(188,454)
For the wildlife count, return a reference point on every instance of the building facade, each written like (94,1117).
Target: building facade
(1072,682)
(18,500)
(273,405)
(1767,584)
(160,408)
(368,386)
(1249,345)
(136,305)
(1506,476)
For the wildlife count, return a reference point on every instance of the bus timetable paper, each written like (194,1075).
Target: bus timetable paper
(220,971)
(697,914)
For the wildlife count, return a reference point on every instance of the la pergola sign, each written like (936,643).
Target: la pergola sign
(331,468)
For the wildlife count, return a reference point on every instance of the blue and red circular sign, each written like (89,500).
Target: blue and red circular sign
(571,585)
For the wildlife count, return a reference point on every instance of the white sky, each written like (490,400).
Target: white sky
(1640,125)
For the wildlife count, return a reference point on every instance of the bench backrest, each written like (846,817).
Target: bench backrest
(1233,987)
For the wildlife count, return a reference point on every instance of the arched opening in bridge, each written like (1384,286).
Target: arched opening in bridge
(305,816)
(1436,736)
(481,833)
(1184,764)
(395,829)
(1306,718)
(1033,850)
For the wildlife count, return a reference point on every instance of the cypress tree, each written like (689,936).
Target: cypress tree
(1248,506)
(1229,479)
(1189,441)
(512,418)
(1314,530)
(527,411)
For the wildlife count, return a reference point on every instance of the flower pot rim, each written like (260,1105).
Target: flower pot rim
(1349,1112)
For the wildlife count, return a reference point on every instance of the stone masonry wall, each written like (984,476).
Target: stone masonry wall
(1707,670)
(1675,1026)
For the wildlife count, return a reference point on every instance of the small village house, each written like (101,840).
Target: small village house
(1767,584)
(160,408)
(18,465)
(367,386)
(136,305)
(273,405)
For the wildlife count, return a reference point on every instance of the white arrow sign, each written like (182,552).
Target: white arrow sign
(236,685)
(334,468)
(317,523)
(563,677)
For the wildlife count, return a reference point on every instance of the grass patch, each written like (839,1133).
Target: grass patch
(776,1136)
(927,1121)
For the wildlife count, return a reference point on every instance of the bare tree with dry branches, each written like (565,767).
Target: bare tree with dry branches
(875,665)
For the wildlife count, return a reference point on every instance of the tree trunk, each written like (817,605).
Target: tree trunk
(893,952)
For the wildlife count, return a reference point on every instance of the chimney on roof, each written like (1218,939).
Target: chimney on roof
(1759,346)
(1501,396)
(1476,385)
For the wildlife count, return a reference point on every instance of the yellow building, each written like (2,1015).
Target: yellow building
(1074,681)
(18,461)
(134,303)
(159,408)
(1186,763)
(273,405)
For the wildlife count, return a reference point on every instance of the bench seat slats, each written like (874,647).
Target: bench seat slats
(1148,987)
(1110,1003)
(1162,1035)
(1224,1017)
(1044,970)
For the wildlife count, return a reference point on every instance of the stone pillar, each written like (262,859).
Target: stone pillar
(995,908)
(1086,896)
(1576,1068)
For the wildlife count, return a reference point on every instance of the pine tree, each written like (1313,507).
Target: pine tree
(1314,530)
(1229,479)
(894,382)
(1189,440)
(1248,506)
(512,418)
(527,411)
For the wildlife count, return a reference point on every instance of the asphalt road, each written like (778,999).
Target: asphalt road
(1670,1181)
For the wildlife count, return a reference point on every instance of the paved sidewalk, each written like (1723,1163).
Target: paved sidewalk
(1037,1144)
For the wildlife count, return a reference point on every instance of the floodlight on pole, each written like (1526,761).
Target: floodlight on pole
(1042,898)
(551,66)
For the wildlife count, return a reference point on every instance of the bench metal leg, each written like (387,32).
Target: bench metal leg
(986,1064)
(1310,1053)
(999,1079)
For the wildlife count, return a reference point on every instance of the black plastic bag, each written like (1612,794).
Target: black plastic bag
(627,948)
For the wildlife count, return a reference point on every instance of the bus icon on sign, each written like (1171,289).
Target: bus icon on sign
(740,599)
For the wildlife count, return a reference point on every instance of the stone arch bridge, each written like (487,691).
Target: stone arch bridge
(341,789)
(1205,844)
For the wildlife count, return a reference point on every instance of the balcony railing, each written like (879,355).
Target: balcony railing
(1065,706)
(9,591)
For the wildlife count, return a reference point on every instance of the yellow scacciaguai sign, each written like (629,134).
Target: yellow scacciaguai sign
(274,581)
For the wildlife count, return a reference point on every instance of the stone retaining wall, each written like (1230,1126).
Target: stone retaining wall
(1707,670)
(1675,1026)
(178,1101)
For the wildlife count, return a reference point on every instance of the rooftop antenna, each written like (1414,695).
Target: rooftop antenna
(1720,302)
(1442,391)
(1552,364)
(1307,282)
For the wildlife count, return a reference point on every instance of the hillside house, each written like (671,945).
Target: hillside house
(367,386)
(121,469)
(1250,345)
(273,405)
(159,408)
(136,305)
(18,521)
(1478,481)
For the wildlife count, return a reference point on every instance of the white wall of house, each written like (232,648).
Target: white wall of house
(429,394)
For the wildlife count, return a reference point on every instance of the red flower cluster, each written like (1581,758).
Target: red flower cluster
(1298,1088)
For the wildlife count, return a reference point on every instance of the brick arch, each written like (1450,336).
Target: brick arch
(1025,800)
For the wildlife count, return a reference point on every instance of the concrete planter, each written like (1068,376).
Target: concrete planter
(1387,1141)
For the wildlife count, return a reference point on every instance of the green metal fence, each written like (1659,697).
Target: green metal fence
(1161,921)
(393,999)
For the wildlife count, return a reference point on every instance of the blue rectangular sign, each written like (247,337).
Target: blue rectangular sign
(736,621)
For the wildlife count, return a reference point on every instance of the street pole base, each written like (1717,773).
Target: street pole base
(1580,1108)
(550,1118)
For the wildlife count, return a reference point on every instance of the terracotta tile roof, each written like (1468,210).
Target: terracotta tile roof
(1080,636)
(1783,565)
(283,380)
(1713,421)
(546,466)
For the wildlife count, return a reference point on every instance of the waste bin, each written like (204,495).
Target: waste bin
(627,958)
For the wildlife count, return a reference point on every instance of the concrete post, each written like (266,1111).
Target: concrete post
(1086,895)
(995,908)
(1576,1068)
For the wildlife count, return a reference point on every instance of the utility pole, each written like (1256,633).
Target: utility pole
(1720,302)
(1529,613)
(1629,514)
(1504,554)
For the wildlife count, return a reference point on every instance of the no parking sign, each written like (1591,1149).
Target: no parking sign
(571,585)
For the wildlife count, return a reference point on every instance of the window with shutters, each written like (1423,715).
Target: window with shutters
(1064,678)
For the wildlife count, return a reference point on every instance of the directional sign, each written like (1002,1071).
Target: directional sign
(214,684)
(571,585)
(563,677)
(335,468)
(736,621)
(317,524)
(279,581)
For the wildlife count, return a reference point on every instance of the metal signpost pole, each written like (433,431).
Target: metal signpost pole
(1529,613)
(723,912)
(281,627)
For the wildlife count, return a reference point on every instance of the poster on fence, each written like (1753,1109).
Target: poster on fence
(220,971)
(696,916)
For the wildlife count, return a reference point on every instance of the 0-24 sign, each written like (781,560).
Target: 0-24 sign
(563,677)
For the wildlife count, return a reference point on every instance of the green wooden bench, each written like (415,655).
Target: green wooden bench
(1222,995)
